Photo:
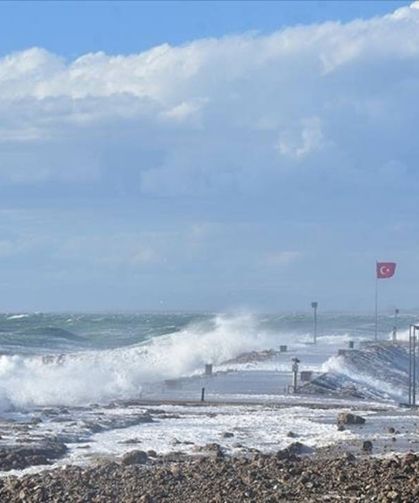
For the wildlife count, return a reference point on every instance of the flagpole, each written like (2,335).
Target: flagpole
(376,303)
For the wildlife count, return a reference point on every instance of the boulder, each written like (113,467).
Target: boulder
(293,450)
(367,446)
(227,434)
(212,450)
(135,457)
(349,418)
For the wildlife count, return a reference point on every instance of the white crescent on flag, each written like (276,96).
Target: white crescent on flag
(385,269)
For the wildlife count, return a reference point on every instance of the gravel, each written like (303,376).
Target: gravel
(216,478)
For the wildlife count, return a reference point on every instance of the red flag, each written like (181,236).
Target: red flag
(385,269)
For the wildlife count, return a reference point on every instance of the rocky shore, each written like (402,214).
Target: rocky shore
(213,477)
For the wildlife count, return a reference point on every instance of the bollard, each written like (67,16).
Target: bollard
(203,395)
(295,361)
(208,369)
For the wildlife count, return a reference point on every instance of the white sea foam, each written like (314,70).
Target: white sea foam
(402,335)
(339,365)
(103,375)
(17,316)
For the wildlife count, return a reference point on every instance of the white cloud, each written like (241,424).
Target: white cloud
(299,144)
(211,116)
(282,258)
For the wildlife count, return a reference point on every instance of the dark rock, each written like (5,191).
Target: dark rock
(349,457)
(39,454)
(227,434)
(129,441)
(367,446)
(349,418)
(293,450)
(214,450)
(134,458)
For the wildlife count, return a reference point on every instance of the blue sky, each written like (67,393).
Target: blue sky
(212,155)
(74,28)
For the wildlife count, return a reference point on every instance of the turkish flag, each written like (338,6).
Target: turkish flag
(385,269)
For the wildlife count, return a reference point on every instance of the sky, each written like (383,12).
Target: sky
(208,155)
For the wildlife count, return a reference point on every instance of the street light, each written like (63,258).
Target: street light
(314,305)
(396,312)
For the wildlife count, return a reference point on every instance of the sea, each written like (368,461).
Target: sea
(105,383)
(74,359)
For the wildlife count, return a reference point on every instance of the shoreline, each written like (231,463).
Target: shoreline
(185,427)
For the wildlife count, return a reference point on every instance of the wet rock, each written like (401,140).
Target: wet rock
(293,450)
(367,446)
(136,457)
(349,457)
(129,441)
(31,455)
(349,418)
(227,434)
(213,450)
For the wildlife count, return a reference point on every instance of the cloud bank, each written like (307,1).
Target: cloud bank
(216,115)
(252,164)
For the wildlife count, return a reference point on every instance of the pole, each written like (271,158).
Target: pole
(295,361)
(410,365)
(396,312)
(414,368)
(314,305)
(376,305)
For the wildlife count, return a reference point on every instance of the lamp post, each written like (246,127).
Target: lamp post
(396,313)
(314,305)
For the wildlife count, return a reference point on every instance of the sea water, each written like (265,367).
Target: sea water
(78,378)
(76,359)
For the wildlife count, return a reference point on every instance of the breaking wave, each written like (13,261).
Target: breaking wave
(84,377)
(380,368)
